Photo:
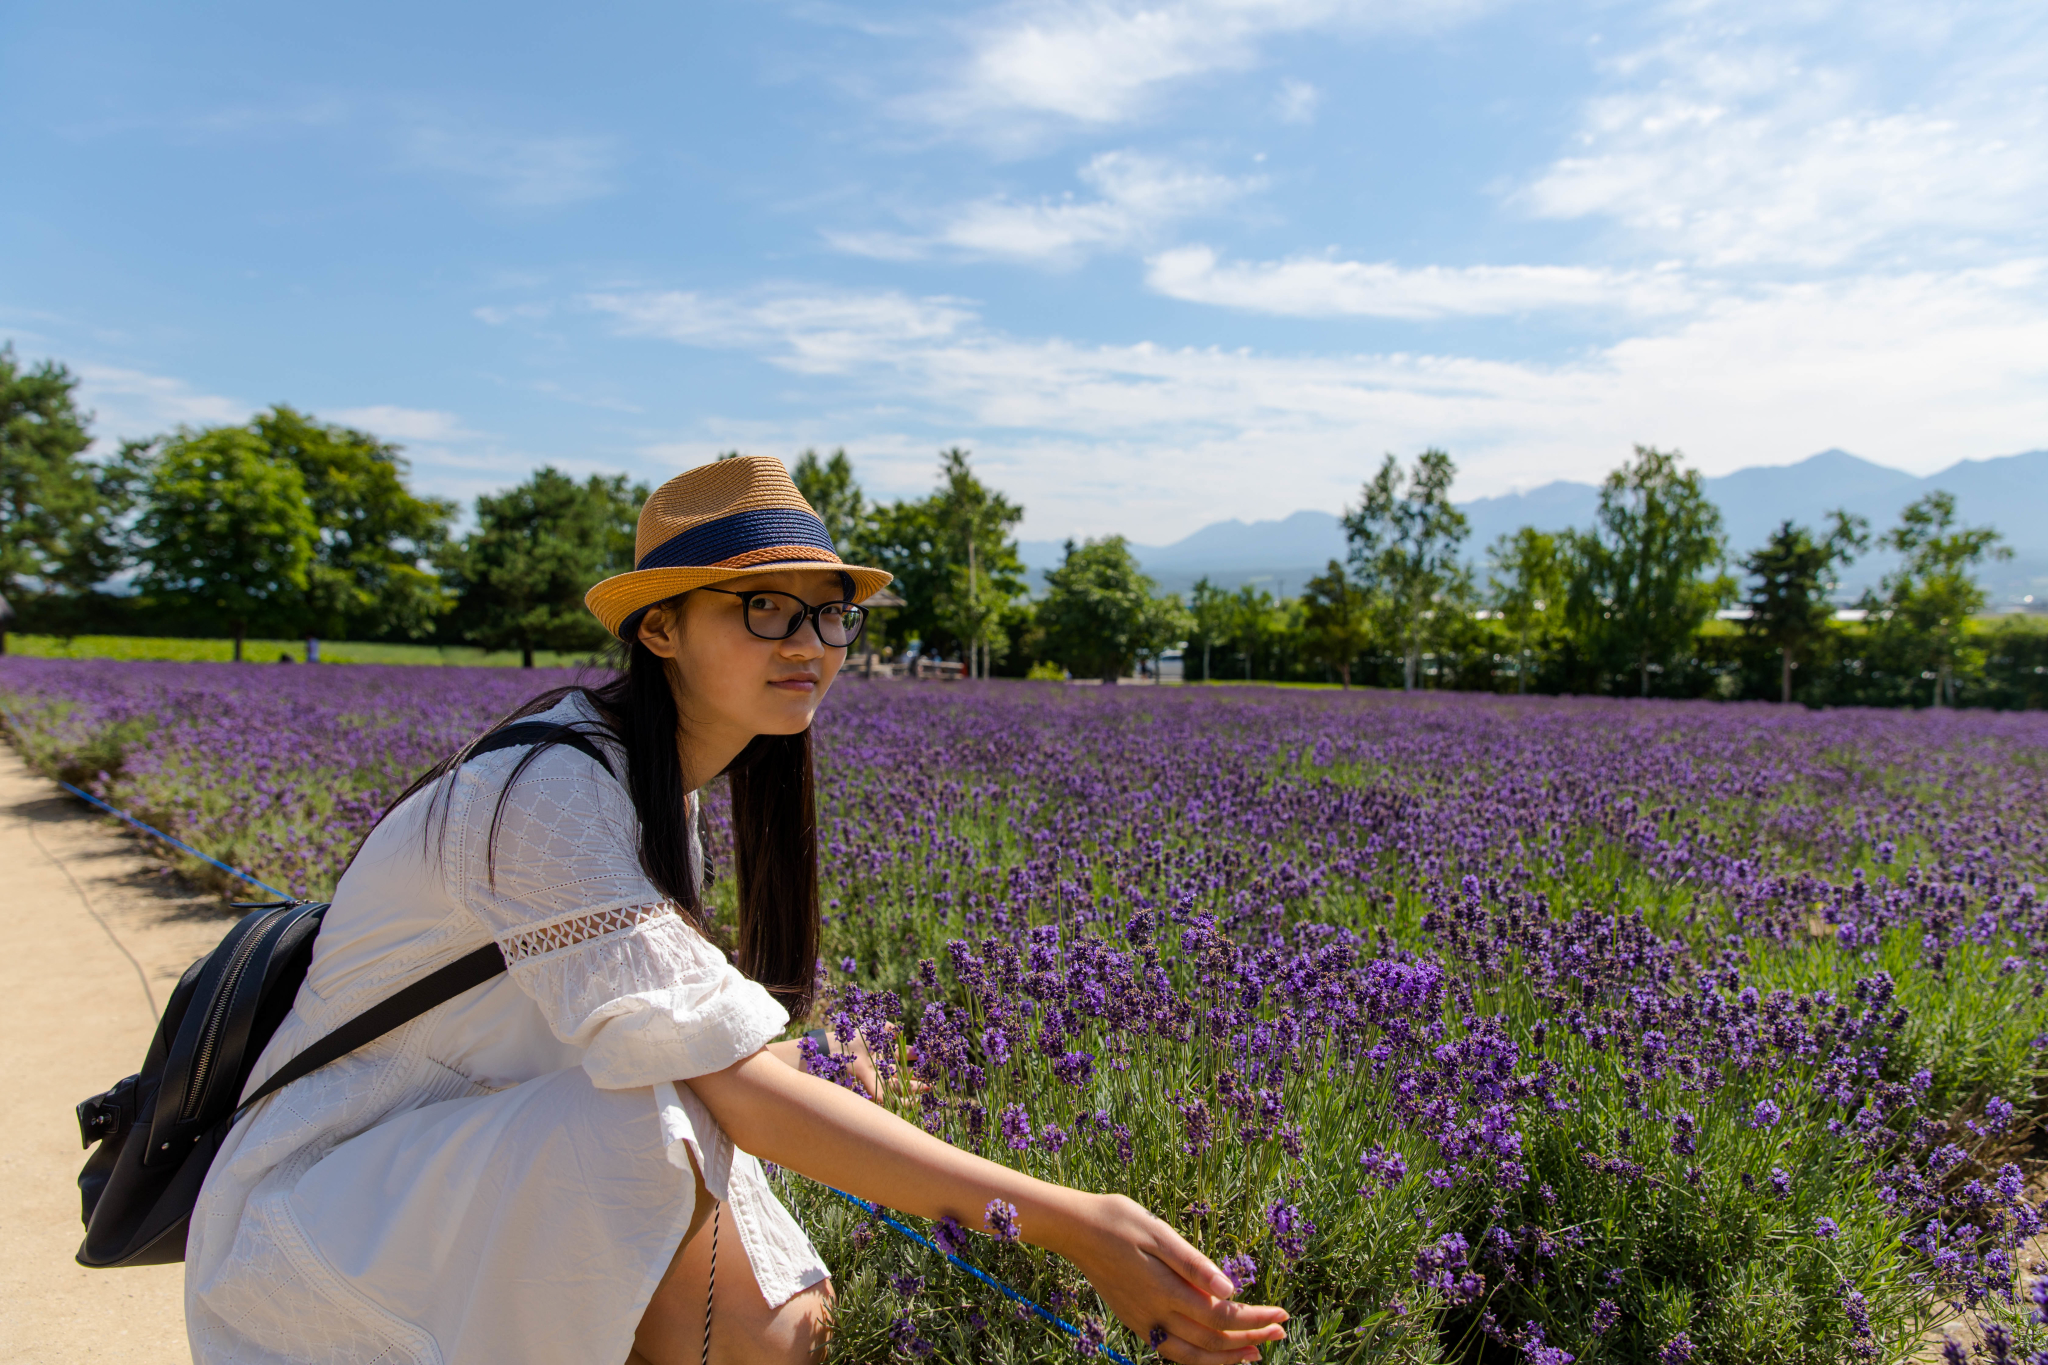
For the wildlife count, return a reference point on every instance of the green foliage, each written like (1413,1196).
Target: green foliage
(1526,585)
(1791,601)
(1640,592)
(1921,611)
(60,514)
(1336,620)
(536,550)
(375,537)
(1404,537)
(834,494)
(955,562)
(230,531)
(1099,612)
(1210,616)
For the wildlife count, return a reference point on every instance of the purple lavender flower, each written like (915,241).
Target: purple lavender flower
(1015,1123)
(1241,1270)
(1605,1314)
(1781,1183)
(1384,1166)
(1088,1341)
(1765,1115)
(1074,1067)
(1001,1218)
(1052,1137)
(1677,1351)
(1291,1230)
(949,1236)
(904,1338)
(1827,1229)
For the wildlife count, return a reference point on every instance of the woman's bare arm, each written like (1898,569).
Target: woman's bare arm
(1144,1270)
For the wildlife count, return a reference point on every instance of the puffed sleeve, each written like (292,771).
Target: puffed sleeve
(612,965)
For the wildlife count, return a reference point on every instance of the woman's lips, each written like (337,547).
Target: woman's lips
(797,684)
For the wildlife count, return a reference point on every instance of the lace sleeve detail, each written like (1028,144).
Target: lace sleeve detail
(556,935)
(606,957)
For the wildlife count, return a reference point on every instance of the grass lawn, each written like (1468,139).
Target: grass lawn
(271,651)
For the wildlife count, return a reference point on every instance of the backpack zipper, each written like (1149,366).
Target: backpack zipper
(217,1014)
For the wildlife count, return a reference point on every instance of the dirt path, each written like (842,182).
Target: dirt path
(91,941)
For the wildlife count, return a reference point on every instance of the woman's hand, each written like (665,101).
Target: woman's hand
(1144,1270)
(1151,1278)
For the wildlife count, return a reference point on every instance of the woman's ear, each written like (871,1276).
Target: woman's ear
(661,630)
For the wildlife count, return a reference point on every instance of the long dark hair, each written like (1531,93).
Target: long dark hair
(774,817)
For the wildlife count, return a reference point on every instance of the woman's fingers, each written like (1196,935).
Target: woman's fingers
(1212,1338)
(1188,1263)
(1187,1353)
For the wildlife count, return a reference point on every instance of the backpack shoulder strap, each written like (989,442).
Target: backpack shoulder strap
(522,734)
(444,984)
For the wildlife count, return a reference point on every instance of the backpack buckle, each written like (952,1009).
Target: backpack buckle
(106,1115)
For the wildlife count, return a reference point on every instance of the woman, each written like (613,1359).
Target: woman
(539,1170)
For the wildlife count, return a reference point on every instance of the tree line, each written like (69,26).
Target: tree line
(287,526)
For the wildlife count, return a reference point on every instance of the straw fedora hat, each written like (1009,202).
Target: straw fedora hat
(719,521)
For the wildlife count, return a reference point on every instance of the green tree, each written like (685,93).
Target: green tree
(1791,600)
(1336,620)
(1526,582)
(948,550)
(1404,536)
(1641,591)
(521,575)
(370,576)
(1257,623)
(835,495)
(1099,613)
(1921,611)
(1209,617)
(228,531)
(977,522)
(60,514)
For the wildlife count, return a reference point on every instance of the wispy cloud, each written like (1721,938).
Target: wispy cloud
(133,404)
(1296,101)
(1102,62)
(404,424)
(1740,140)
(1136,196)
(1319,287)
(817,332)
(1914,370)
(528,172)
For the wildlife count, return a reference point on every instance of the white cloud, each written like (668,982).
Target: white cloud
(1731,141)
(1296,101)
(1102,62)
(404,424)
(1913,370)
(1138,196)
(823,333)
(518,172)
(1319,287)
(134,404)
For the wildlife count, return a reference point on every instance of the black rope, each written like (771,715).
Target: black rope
(710,1285)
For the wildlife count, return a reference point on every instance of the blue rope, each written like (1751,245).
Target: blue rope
(14,724)
(177,843)
(912,1234)
(1119,1357)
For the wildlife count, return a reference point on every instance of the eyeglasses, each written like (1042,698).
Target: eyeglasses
(779,615)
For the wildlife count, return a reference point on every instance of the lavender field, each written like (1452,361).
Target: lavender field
(1470,1028)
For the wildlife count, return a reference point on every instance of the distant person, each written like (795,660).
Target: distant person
(538,1171)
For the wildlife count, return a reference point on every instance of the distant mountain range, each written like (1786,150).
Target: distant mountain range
(2009,492)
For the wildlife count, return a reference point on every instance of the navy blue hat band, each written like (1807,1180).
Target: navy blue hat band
(761,528)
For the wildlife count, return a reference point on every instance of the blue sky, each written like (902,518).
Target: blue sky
(1157,264)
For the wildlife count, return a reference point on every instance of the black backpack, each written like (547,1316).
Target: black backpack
(158,1130)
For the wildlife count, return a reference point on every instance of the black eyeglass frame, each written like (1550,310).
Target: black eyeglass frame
(807,612)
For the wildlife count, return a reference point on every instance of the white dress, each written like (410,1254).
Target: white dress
(504,1179)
